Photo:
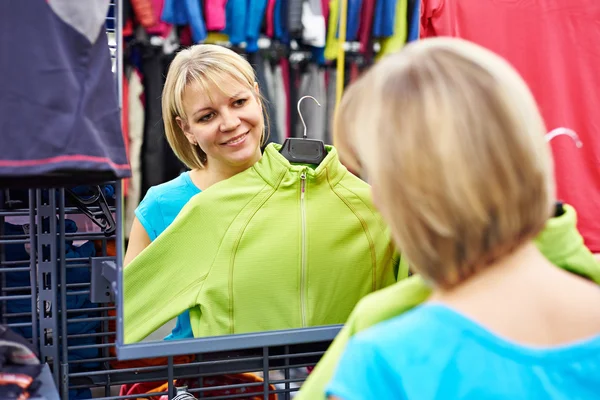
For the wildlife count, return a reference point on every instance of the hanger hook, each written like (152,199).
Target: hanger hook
(564,131)
(300,112)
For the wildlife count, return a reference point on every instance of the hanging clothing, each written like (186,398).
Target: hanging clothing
(294,17)
(331,103)
(236,252)
(281,102)
(385,18)
(270,29)
(288,88)
(235,28)
(264,77)
(254,20)
(365,32)
(313,84)
(144,12)
(414,17)
(280,21)
(214,10)
(159,164)
(560,242)
(561,77)
(160,28)
(136,138)
(186,12)
(352,20)
(59,115)
(332,45)
(395,42)
(314,26)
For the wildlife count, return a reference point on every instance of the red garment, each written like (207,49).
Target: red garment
(144,12)
(160,28)
(554,46)
(285,72)
(270,21)
(214,14)
(325,8)
(365,28)
(131,389)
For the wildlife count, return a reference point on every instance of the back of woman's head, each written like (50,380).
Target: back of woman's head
(208,66)
(453,143)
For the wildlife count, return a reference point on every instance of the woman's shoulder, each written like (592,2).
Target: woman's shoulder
(181,186)
(173,193)
(415,331)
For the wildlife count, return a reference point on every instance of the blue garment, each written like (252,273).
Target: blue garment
(384,18)
(184,12)
(433,352)
(280,26)
(235,20)
(156,212)
(414,20)
(255,18)
(352,20)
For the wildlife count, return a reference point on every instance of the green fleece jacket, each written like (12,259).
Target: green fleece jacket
(278,246)
(560,242)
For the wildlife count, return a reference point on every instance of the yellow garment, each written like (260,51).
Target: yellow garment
(216,38)
(394,43)
(332,43)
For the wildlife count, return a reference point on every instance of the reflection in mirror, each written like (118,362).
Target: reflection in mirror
(246,240)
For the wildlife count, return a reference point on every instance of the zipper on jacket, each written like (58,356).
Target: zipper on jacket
(303,246)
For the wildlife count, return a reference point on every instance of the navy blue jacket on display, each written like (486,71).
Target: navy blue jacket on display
(59,112)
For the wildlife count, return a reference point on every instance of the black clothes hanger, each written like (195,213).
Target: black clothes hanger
(303,150)
(103,216)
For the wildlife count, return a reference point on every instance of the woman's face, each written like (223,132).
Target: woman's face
(228,128)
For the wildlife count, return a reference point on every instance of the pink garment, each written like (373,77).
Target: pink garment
(160,28)
(270,20)
(325,8)
(285,72)
(214,14)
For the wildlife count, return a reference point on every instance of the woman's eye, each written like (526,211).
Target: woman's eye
(206,118)
(240,102)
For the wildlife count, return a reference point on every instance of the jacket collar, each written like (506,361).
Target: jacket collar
(272,167)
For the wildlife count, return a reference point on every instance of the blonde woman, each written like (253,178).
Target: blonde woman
(215,123)
(452,141)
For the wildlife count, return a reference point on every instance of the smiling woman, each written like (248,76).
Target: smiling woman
(215,123)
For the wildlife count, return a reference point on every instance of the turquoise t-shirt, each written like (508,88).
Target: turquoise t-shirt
(433,352)
(156,212)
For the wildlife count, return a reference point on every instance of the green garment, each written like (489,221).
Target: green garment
(560,242)
(278,246)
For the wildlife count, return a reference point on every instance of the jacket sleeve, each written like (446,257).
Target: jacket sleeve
(563,245)
(167,276)
(372,309)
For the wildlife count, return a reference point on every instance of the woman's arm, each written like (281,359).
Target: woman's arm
(138,241)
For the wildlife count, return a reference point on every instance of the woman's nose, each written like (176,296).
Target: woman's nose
(229,121)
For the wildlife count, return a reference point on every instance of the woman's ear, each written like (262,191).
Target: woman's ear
(185,128)
(256,87)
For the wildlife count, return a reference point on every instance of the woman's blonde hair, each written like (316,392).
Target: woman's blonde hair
(452,140)
(204,65)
